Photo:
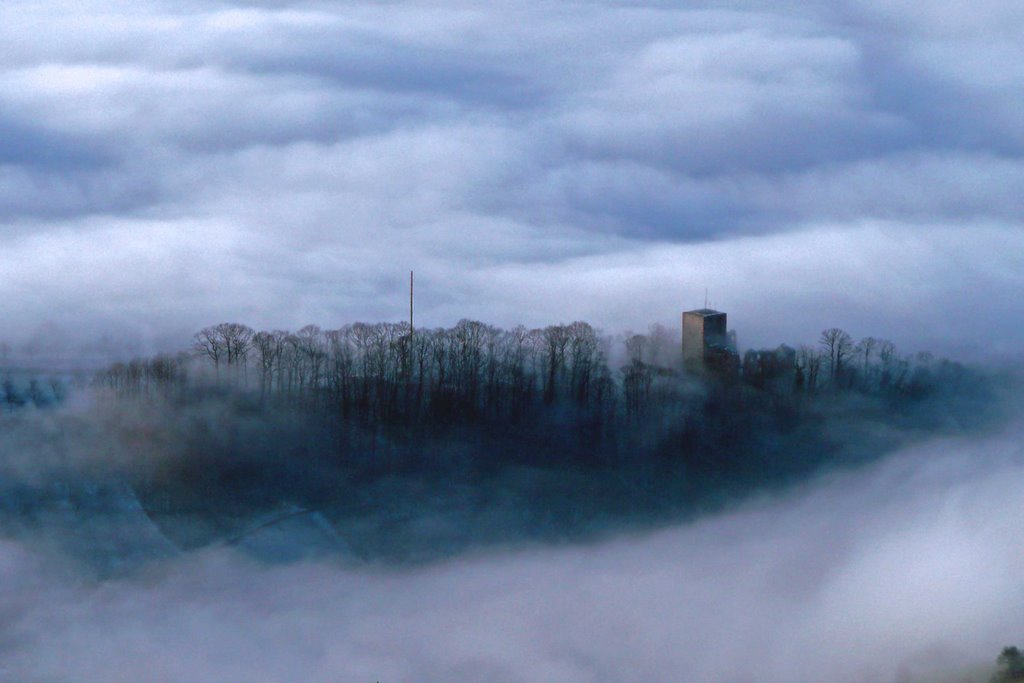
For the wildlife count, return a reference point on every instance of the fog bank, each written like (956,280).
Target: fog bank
(904,571)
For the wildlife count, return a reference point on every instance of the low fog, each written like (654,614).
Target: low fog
(905,570)
(165,166)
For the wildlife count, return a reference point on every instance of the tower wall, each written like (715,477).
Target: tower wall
(702,329)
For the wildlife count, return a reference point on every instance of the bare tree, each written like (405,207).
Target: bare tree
(838,344)
(518,350)
(312,345)
(808,363)
(470,339)
(556,338)
(268,347)
(583,356)
(888,360)
(865,348)
(636,347)
(237,340)
(663,346)
(224,343)
(209,343)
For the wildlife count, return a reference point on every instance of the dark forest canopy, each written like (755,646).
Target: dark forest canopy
(408,446)
(498,435)
(473,371)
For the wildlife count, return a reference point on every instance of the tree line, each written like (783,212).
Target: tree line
(574,424)
(386,372)
(23,390)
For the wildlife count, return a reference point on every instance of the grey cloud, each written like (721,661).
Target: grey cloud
(959,186)
(32,200)
(23,144)
(743,101)
(395,68)
(324,146)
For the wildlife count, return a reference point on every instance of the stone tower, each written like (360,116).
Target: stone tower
(703,331)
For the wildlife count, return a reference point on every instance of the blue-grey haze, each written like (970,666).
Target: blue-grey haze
(904,572)
(169,165)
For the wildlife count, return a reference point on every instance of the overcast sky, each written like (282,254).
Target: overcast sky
(168,165)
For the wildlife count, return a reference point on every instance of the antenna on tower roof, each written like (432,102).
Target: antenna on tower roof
(705,297)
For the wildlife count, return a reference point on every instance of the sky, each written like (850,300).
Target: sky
(170,165)
(907,571)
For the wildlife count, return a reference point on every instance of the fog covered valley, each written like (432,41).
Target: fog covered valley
(857,528)
(386,446)
(265,501)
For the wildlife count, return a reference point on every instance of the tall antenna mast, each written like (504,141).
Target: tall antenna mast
(705,297)
(410,303)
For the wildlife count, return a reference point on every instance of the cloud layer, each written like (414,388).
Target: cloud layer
(168,165)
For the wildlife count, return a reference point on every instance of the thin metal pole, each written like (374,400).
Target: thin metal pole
(410,302)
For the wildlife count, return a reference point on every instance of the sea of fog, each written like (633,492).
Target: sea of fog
(906,570)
